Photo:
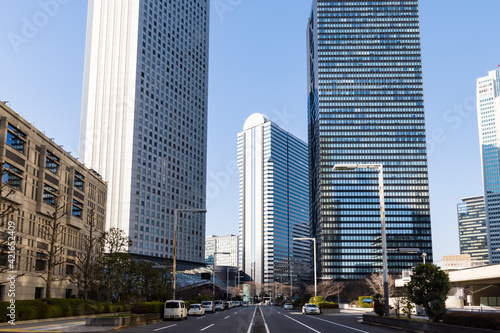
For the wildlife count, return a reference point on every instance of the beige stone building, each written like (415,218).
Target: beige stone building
(39,175)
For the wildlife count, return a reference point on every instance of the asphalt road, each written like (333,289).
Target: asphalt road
(264,319)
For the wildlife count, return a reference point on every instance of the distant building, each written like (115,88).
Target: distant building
(459,261)
(488,114)
(144,119)
(39,174)
(472,228)
(222,244)
(366,106)
(274,205)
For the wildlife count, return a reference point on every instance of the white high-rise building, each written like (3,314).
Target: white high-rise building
(226,246)
(274,206)
(488,113)
(144,118)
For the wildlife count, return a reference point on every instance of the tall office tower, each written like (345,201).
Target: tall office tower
(472,228)
(223,248)
(366,106)
(144,118)
(488,114)
(273,205)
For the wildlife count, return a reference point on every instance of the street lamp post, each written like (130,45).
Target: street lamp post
(174,266)
(378,167)
(215,253)
(314,258)
(423,256)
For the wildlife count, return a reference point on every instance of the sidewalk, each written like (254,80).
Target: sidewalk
(76,324)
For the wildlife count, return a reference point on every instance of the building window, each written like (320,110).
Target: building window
(79,181)
(16,139)
(49,194)
(70,270)
(12,176)
(77,208)
(52,162)
(40,261)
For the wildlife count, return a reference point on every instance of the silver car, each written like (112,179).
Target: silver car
(288,306)
(310,308)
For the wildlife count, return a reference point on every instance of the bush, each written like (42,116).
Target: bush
(365,304)
(489,321)
(327,305)
(147,307)
(379,305)
(55,307)
(316,299)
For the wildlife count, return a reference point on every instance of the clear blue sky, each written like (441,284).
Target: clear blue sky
(258,64)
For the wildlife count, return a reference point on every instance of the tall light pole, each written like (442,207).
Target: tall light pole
(215,254)
(314,245)
(378,167)
(423,256)
(174,266)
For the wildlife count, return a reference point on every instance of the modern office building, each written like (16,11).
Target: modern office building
(226,249)
(40,179)
(472,229)
(144,118)
(488,108)
(366,106)
(273,205)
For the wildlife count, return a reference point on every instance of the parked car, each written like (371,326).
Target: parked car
(288,306)
(219,305)
(174,309)
(208,306)
(237,303)
(310,308)
(196,310)
(244,304)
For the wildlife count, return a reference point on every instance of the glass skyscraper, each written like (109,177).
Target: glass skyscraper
(366,105)
(144,118)
(488,108)
(472,228)
(274,206)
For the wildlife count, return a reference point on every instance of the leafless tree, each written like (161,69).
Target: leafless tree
(376,284)
(326,288)
(87,269)
(52,230)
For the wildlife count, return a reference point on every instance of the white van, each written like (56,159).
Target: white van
(175,310)
(208,305)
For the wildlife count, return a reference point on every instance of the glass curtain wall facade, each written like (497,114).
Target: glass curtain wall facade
(488,108)
(472,228)
(273,206)
(144,118)
(366,105)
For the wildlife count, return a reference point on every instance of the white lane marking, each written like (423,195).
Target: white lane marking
(264,318)
(162,328)
(351,328)
(227,317)
(236,312)
(251,322)
(312,329)
(200,318)
(206,327)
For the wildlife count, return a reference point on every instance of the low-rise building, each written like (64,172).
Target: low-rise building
(43,189)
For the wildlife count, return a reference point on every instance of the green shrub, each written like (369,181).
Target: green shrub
(379,305)
(147,307)
(188,304)
(327,305)
(316,299)
(365,304)
(489,321)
